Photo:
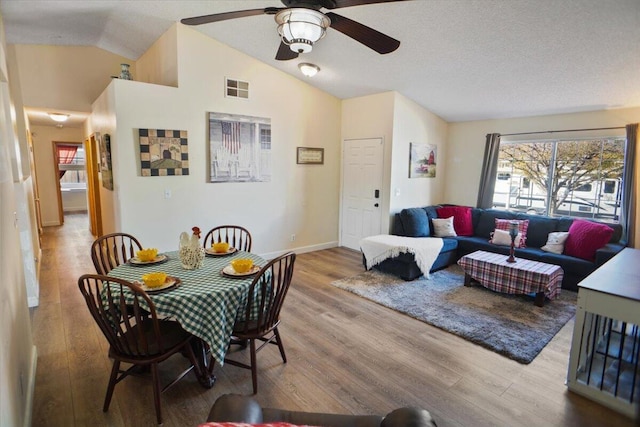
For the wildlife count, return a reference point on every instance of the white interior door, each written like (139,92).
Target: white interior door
(362,171)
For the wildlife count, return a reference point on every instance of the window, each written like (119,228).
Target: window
(576,178)
(265,138)
(71,164)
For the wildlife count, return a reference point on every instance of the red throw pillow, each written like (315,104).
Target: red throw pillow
(585,238)
(523,224)
(462,223)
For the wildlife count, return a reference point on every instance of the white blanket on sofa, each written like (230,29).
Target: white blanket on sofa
(378,248)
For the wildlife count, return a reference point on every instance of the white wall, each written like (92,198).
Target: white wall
(17,353)
(467,140)
(159,64)
(43,139)
(372,117)
(413,123)
(299,199)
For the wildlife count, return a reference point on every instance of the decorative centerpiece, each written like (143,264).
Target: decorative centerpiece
(191,251)
(513,232)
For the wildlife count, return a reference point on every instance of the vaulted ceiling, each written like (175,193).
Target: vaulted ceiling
(460,59)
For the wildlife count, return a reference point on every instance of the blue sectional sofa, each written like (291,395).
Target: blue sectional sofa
(411,222)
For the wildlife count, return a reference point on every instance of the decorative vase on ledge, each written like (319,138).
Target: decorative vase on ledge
(124,72)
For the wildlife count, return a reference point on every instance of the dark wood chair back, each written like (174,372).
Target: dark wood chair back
(111,250)
(261,317)
(236,236)
(127,317)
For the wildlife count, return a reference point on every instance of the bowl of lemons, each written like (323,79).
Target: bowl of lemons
(147,254)
(242,265)
(154,280)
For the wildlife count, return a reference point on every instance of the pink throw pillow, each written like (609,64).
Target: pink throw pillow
(462,223)
(523,224)
(585,238)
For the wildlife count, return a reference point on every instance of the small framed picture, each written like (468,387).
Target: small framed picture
(310,156)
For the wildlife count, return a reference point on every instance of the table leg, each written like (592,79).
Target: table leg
(467,280)
(539,301)
(201,351)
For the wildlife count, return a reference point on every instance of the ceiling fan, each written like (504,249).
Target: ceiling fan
(301,24)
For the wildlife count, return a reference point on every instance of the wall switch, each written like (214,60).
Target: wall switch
(293,237)
(167,193)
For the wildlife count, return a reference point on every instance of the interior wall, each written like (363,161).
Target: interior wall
(372,117)
(414,124)
(300,199)
(159,64)
(65,77)
(467,140)
(17,353)
(43,138)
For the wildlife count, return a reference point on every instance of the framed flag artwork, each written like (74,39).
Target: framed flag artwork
(239,148)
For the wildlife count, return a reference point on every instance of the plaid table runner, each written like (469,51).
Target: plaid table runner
(521,277)
(206,303)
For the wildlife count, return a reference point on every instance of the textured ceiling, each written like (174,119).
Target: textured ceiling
(460,59)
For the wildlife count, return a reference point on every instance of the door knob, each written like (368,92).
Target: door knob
(376,205)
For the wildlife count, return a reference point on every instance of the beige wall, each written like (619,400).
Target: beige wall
(43,139)
(65,77)
(412,123)
(467,140)
(300,199)
(159,64)
(17,353)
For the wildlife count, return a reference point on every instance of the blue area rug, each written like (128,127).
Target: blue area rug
(507,324)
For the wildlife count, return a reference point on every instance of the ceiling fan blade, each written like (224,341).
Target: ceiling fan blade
(206,19)
(285,53)
(369,37)
(335,4)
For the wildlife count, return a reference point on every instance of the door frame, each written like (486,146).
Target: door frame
(384,207)
(56,170)
(92,162)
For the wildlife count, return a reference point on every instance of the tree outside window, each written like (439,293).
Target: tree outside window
(578,178)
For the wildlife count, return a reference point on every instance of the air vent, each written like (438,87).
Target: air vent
(236,89)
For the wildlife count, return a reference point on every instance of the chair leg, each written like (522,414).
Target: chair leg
(156,391)
(254,366)
(112,385)
(280,346)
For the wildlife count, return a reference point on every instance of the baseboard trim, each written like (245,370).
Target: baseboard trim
(301,249)
(31,387)
(51,223)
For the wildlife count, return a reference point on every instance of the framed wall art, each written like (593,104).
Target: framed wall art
(309,156)
(105,162)
(163,152)
(239,148)
(422,160)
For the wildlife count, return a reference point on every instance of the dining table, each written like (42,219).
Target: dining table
(205,301)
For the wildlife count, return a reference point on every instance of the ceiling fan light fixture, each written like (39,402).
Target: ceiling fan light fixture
(58,117)
(300,28)
(308,69)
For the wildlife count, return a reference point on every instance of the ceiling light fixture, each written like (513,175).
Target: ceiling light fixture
(59,117)
(308,69)
(301,28)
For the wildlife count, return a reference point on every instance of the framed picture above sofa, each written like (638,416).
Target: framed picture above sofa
(422,160)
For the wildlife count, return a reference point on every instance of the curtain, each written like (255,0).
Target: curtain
(66,154)
(489,171)
(630,186)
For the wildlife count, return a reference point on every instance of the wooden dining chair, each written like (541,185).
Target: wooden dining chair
(139,338)
(261,317)
(111,250)
(236,236)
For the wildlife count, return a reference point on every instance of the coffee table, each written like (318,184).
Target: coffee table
(524,276)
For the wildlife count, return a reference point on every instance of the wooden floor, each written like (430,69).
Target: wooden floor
(345,355)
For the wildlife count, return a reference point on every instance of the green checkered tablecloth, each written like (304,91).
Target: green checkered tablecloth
(206,302)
